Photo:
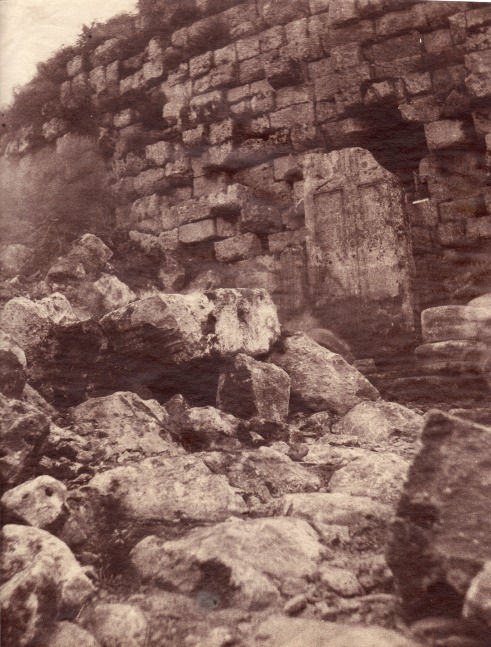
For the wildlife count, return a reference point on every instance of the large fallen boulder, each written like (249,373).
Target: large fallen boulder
(167,489)
(441,534)
(321,380)
(124,426)
(174,328)
(242,563)
(40,579)
(39,503)
(207,428)
(249,389)
(87,257)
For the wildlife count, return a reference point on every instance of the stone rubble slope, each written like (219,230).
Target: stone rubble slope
(276,500)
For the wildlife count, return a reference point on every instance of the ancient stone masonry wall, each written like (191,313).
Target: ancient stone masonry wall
(209,125)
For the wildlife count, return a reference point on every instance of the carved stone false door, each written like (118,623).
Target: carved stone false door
(358,242)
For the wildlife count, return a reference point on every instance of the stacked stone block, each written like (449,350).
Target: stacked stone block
(236,92)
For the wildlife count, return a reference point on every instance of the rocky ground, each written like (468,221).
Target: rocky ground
(179,470)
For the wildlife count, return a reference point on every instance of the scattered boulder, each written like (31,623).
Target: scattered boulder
(12,367)
(264,473)
(121,625)
(321,380)
(174,329)
(378,476)
(39,503)
(125,426)
(66,634)
(163,488)
(278,631)
(23,428)
(114,293)
(26,548)
(323,511)
(254,389)
(244,563)
(437,549)
(340,580)
(87,257)
(380,421)
(30,603)
(202,428)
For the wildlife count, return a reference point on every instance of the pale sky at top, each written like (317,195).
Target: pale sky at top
(32,30)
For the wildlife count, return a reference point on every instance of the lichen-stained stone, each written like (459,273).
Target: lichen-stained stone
(26,547)
(38,503)
(114,293)
(166,488)
(251,389)
(246,321)
(128,425)
(252,559)
(321,380)
(123,625)
(441,533)
(363,258)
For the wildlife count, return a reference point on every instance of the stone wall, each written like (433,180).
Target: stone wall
(208,126)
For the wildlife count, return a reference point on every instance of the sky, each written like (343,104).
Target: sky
(32,30)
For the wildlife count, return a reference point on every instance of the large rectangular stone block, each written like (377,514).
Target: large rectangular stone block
(445,133)
(237,248)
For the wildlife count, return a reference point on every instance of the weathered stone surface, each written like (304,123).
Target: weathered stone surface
(265,472)
(114,293)
(89,252)
(14,259)
(175,328)
(445,133)
(254,389)
(29,602)
(66,634)
(358,514)
(169,488)
(321,380)
(23,428)
(437,550)
(32,548)
(378,476)
(278,631)
(379,421)
(252,560)
(453,357)
(455,322)
(366,259)
(246,321)
(238,248)
(12,367)
(340,580)
(126,426)
(203,428)
(38,503)
(115,624)
(477,602)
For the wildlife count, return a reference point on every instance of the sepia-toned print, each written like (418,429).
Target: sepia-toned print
(245,323)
